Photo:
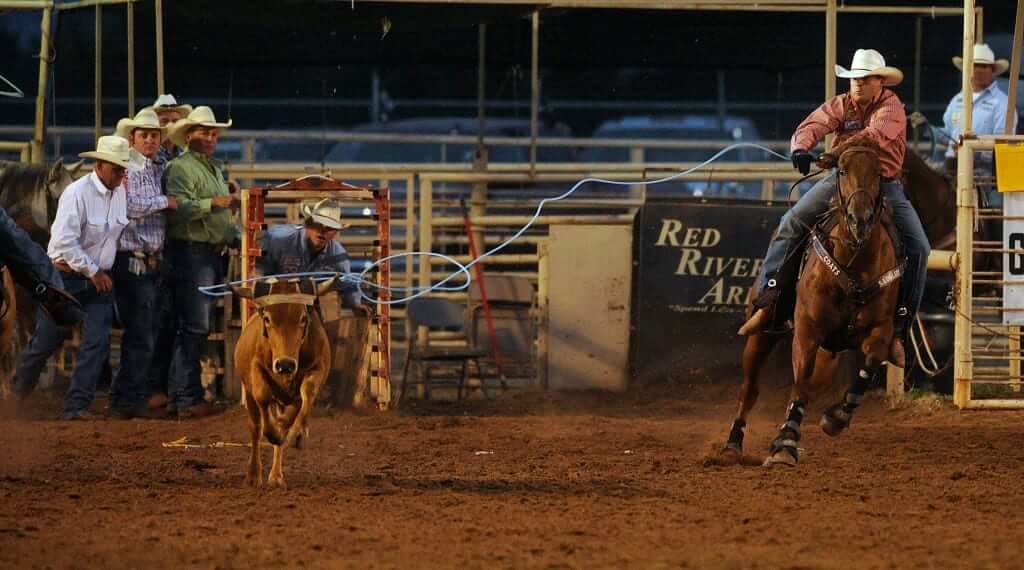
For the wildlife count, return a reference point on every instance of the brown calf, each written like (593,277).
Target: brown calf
(283,358)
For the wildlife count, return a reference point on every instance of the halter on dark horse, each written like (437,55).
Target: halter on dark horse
(846,298)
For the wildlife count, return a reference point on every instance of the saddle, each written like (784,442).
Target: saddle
(793,266)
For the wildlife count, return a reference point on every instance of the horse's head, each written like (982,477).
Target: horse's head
(58,177)
(30,193)
(860,190)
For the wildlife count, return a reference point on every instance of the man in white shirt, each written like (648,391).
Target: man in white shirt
(988,115)
(83,242)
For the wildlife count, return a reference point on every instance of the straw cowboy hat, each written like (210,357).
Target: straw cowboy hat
(167,102)
(112,149)
(869,62)
(201,116)
(326,212)
(144,119)
(984,55)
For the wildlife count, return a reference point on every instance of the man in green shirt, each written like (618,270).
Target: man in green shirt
(198,234)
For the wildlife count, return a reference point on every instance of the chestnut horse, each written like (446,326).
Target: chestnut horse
(846,298)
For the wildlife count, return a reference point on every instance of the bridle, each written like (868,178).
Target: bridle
(857,293)
(876,205)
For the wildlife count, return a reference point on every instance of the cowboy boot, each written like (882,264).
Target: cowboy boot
(763,308)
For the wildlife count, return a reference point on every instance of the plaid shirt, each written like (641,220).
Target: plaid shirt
(146,227)
(883,120)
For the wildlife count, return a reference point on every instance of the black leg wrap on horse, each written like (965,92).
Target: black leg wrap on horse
(736,434)
(838,416)
(789,432)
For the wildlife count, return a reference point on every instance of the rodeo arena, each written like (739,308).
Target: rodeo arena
(600,283)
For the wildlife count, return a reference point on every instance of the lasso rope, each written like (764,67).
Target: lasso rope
(360,278)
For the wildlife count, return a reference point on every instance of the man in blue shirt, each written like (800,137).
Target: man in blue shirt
(289,248)
(988,115)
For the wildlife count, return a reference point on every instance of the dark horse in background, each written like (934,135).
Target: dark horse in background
(29,193)
(831,313)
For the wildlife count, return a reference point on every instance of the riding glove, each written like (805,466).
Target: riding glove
(802,161)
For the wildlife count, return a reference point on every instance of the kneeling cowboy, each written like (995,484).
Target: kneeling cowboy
(868,111)
(289,248)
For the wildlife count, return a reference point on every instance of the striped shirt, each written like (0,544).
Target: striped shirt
(883,120)
(146,226)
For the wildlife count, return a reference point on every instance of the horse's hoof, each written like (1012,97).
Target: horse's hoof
(831,426)
(835,420)
(730,454)
(277,484)
(780,458)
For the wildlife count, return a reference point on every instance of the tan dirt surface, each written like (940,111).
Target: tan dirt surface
(529,480)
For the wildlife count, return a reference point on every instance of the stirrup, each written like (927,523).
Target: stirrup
(768,297)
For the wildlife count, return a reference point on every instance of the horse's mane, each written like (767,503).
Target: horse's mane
(18,180)
(860,141)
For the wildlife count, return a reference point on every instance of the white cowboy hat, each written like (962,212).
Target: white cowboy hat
(869,62)
(167,102)
(984,55)
(326,212)
(200,116)
(144,119)
(112,149)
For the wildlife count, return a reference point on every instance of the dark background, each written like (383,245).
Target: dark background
(311,64)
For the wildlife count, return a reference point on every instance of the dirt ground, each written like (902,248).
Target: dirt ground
(529,480)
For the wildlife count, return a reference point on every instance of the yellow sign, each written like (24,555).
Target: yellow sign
(1010,167)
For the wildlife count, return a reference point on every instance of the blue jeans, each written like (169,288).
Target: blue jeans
(136,306)
(816,201)
(165,329)
(95,348)
(190,265)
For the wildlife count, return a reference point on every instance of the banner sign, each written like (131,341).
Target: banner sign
(1013,263)
(695,262)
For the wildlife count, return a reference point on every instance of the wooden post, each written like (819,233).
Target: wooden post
(830,57)
(534,89)
(243,256)
(98,129)
(159,9)
(966,117)
(1018,34)
(963,364)
(541,319)
(426,245)
(44,61)
(410,227)
(130,7)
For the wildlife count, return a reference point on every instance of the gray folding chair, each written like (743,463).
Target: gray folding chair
(439,314)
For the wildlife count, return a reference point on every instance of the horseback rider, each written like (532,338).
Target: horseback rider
(868,112)
(32,269)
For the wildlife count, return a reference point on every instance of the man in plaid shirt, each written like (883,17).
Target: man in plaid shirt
(136,270)
(868,112)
